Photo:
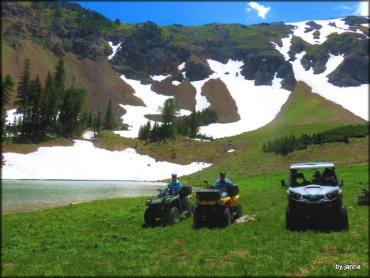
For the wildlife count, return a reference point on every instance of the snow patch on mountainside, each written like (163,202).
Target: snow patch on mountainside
(159,78)
(284,49)
(354,99)
(257,105)
(115,48)
(201,101)
(327,29)
(83,161)
(134,116)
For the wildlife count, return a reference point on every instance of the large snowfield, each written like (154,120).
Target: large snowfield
(257,106)
(83,161)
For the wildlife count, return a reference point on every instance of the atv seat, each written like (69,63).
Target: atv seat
(233,190)
(185,191)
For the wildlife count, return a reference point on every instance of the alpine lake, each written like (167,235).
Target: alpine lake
(30,195)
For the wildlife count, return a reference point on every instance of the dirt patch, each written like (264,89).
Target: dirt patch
(219,96)
(9,264)
(154,117)
(226,260)
(155,266)
(164,254)
(184,93)
(179,240)
(240,253)
(181,257)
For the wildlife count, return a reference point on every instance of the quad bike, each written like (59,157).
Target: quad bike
(214,209)
(363,198)
(168,206)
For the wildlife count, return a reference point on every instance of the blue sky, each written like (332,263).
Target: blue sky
(198,13)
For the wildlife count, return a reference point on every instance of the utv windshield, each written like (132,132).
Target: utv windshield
(319,176)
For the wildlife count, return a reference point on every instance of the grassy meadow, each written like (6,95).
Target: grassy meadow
(107,238)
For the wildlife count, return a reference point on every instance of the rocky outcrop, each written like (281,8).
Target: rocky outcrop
(262,68)
(196,71)
(351,45)
(219,96)
(184,92)
(354,71)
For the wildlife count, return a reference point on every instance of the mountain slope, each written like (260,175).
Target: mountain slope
(97,77)
(257,65)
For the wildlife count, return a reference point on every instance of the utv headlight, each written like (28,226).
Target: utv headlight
(332,195)
(295,195)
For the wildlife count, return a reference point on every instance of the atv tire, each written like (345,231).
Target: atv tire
(226,217)
(149,217)
(197,218)
(238,212)
(190,210)
(173,216)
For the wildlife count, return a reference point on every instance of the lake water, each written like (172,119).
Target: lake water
(29,195)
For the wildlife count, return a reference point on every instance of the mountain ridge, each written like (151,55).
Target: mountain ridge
(147,50)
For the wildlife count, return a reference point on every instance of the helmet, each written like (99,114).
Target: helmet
(222,174)
(174,174)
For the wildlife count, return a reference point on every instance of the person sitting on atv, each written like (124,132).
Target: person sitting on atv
(174,186)
(222,183)
(317,178)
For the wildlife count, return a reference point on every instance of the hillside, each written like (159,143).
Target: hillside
(44,31)
(265,81)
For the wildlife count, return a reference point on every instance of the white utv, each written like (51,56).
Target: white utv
(315,198)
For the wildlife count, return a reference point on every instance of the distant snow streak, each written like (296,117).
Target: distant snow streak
(115,48)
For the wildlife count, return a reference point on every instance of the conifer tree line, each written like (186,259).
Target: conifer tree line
(50,108)
(290,143)
(171,125)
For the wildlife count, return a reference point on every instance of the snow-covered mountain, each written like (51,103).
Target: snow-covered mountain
(258,105)
(245,73)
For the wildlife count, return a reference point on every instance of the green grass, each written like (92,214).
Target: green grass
(106,238)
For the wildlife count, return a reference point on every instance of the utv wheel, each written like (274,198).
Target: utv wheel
(173,216)
(190,211)
(342,219)
(149,217)
(291,219)
(226,217)
(197,218)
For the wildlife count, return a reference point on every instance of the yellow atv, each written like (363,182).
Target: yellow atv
(214,209)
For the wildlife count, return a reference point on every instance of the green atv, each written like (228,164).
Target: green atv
(168,207)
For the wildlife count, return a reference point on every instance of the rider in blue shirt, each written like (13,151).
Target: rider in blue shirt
(222,183)
(174,186)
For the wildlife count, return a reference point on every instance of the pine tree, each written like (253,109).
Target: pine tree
(109,121)
(35,107)
(7,86)
(22,101)
(90,120)
(193,124)
(49,105)
(97,124)
(59,75)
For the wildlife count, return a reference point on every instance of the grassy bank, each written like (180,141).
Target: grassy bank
(106,238)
